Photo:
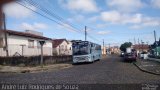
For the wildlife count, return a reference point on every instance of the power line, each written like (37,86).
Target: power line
(51,14)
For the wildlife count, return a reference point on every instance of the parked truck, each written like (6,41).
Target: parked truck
(129,55)
(128,50)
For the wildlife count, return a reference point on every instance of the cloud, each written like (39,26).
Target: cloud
(104,32)
(17,11)
(135,27)
(35,26)
(101,25)
(137,20)
(125,5)
(155,3)
(111,16)
(147,22)
(80,5)
(93,19)
(117,17)
(76,18)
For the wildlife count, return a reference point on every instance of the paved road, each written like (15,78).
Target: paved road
(110,70)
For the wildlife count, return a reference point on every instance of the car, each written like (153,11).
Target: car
(130,57)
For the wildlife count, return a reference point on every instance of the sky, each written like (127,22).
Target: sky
(115,21)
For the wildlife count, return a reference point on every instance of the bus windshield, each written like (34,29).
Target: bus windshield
(80,50)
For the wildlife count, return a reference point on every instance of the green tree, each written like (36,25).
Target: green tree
(125,45)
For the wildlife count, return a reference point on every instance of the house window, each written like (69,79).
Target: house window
(1,42)
(31,43)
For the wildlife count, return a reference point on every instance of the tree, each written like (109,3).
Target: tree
(125,45)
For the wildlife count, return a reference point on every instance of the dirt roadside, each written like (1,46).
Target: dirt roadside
(18,69)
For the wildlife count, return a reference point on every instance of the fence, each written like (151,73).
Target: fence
(17,50)
(33,60)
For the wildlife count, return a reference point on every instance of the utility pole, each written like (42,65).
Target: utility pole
(155,41)
(138,47)
(142,45)
(109,48)
(155,35)
(2,2)
(134,41)
(1,17)
(85,33)
(103,47)
(6,41)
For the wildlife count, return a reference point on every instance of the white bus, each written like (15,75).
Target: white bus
(85,51)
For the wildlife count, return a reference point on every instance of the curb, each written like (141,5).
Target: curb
(36,70)
(155,60)
(145,70)
(24,71)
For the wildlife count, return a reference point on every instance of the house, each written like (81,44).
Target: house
(141,48)
(24,43)
(115,50)
(103,48)
(62,47)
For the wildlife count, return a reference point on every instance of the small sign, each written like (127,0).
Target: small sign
(41,43)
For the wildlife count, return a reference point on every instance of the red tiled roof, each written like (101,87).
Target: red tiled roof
(141,46)
(57,42)
(25,34)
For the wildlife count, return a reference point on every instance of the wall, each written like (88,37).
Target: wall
(34,60)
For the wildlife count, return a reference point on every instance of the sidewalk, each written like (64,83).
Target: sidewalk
(148,66)
(18,69)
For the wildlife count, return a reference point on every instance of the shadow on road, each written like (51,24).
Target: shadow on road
(128,61)
(85,63)
(125,61)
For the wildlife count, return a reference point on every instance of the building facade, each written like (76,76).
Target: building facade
(24,44)
(62,47)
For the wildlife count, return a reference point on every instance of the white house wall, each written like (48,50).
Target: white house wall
(69,48)
(15,42)
(58,50)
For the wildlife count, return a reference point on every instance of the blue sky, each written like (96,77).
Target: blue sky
(115,21)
